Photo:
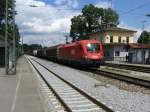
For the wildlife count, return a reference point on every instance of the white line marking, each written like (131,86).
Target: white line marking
(87,110)
(16,93)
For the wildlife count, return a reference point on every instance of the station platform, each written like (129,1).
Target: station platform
(19,93)
(126,63)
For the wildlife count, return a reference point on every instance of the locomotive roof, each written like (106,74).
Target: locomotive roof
(54,46)
(81,41)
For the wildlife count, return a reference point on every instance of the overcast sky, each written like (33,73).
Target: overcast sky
(48,23)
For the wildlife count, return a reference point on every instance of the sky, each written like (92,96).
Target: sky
(49,23)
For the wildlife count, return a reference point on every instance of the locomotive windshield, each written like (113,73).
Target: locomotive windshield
(93,47)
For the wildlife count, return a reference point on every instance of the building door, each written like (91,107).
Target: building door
(2,56)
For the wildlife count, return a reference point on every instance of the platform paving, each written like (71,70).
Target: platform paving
(19,93)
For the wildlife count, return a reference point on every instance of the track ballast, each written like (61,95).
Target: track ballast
(71,97)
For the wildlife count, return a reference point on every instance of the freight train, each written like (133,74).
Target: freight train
(85,52)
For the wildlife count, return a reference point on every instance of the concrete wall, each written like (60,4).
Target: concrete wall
(139,55)
(109,54)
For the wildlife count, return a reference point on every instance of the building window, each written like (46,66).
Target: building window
(111,39)
(127,39)
(119,39)
(117,53)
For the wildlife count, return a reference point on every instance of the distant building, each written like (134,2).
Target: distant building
(2,51)
(115,41)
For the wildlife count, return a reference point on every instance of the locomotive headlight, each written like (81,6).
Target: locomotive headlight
(89,45)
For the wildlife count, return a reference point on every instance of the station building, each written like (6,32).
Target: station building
(116,41)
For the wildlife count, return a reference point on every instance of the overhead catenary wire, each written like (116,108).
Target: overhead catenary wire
(133,9)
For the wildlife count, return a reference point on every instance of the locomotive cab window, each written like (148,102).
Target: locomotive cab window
(93,47)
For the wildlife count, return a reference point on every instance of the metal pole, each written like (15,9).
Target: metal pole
(143,25)
(14,38)
(22,47)
(6,28)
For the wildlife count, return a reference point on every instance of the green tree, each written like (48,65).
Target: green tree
(29,48)
(144,37)
(3,11)
(78,27)
(92,19)
(10,20)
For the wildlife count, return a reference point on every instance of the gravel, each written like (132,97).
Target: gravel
(119,84)
(120,96)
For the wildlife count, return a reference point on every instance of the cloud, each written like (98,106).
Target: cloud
(68,3)
(37,23)
(147,28)
(45,40)
(103,4)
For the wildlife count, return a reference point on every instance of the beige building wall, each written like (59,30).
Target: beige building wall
(116,36)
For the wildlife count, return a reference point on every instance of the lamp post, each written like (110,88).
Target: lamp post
(6,44)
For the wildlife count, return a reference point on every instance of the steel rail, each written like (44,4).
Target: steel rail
(130,67)
(95,101)
(51,88)
(132,80)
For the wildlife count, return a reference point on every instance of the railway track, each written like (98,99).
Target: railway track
(130,67)
(72,98)
(118,76)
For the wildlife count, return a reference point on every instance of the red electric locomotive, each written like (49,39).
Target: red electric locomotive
(84,52)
